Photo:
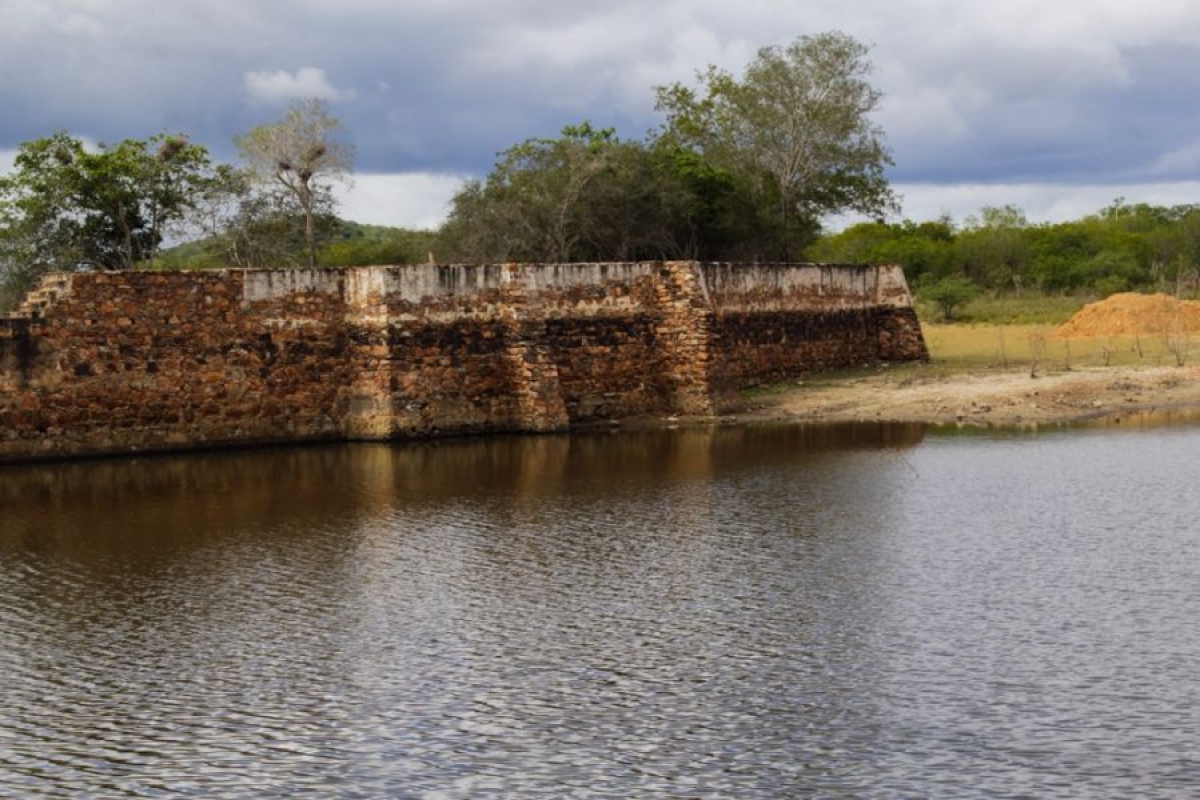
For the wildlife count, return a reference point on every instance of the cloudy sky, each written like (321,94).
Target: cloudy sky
(1058,107)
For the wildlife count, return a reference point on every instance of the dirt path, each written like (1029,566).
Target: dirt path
(983,398)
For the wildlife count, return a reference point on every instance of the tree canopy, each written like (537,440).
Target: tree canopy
(65,205)
(584,196)
(795,128)
(1121,247)
(300,155)
(741,169)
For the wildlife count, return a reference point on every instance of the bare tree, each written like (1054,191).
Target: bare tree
(1037,350)
(1177,340)
(302,154)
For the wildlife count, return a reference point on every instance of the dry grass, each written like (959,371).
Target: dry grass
(977,351)
(1009,375)
(1016,347)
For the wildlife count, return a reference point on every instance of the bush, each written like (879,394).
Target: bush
(1110,285)
(950,294)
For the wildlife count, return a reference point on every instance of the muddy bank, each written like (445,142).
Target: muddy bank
(984,398)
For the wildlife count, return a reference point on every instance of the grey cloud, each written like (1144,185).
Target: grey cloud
(1019,91)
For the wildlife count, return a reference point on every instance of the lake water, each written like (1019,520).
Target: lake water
(740,613)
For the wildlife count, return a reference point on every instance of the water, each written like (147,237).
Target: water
(749,613)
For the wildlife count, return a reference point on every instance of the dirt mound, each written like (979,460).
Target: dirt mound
(1131,314)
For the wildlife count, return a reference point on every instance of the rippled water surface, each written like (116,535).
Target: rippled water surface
(751,613)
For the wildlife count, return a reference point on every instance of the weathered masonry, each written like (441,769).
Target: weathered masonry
(136,361)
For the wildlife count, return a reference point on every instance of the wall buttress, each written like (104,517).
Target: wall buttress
(527,354)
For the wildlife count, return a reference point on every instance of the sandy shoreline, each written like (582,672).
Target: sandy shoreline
(985,398)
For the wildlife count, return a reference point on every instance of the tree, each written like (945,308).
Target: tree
(994,247)
(356,244)
(926,251)
(949,294)
(1175,250)
(64,204)
(796,129)
(583,196)
(301,154)
(38,226)
(706,215)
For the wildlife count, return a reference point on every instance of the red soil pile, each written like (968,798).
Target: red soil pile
(1131,314)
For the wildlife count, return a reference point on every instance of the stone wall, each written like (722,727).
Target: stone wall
(134,361)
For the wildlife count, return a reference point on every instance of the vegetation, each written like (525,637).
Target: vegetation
(954,348)
(298,156)
(744,167)
(585,196)
(64,205)
(342,244)
(1030,308)
(794,135)
(949,293)
(743,170)
(351,244)
(1121,248)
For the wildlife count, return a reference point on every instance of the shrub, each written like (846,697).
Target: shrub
(950,294)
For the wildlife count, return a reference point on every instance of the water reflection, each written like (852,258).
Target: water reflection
(749,612)
(150,506)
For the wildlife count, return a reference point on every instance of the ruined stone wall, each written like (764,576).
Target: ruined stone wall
(145,360)
(124,362)
(779,321)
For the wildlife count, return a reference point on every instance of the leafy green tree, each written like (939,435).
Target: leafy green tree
(355,244)
(795,130)
(862,243)
(300,154)
(744,170)
(1175,251)
(64,205)
(583,196)
(630,209)
(1054,252)
(548,182)
(38,226)
(1121,247)
(993,248)
(704,213)
(950,294)
(925,251)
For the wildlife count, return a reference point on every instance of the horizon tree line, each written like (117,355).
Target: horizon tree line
(742,168)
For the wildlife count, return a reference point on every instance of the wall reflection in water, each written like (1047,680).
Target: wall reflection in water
(607,614)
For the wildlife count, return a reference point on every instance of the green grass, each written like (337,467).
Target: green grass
(1027,309)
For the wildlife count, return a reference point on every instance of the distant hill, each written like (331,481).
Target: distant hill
(347,244)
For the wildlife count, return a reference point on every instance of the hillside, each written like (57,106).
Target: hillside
(347,244)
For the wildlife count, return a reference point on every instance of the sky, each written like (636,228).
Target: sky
(1056,107)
